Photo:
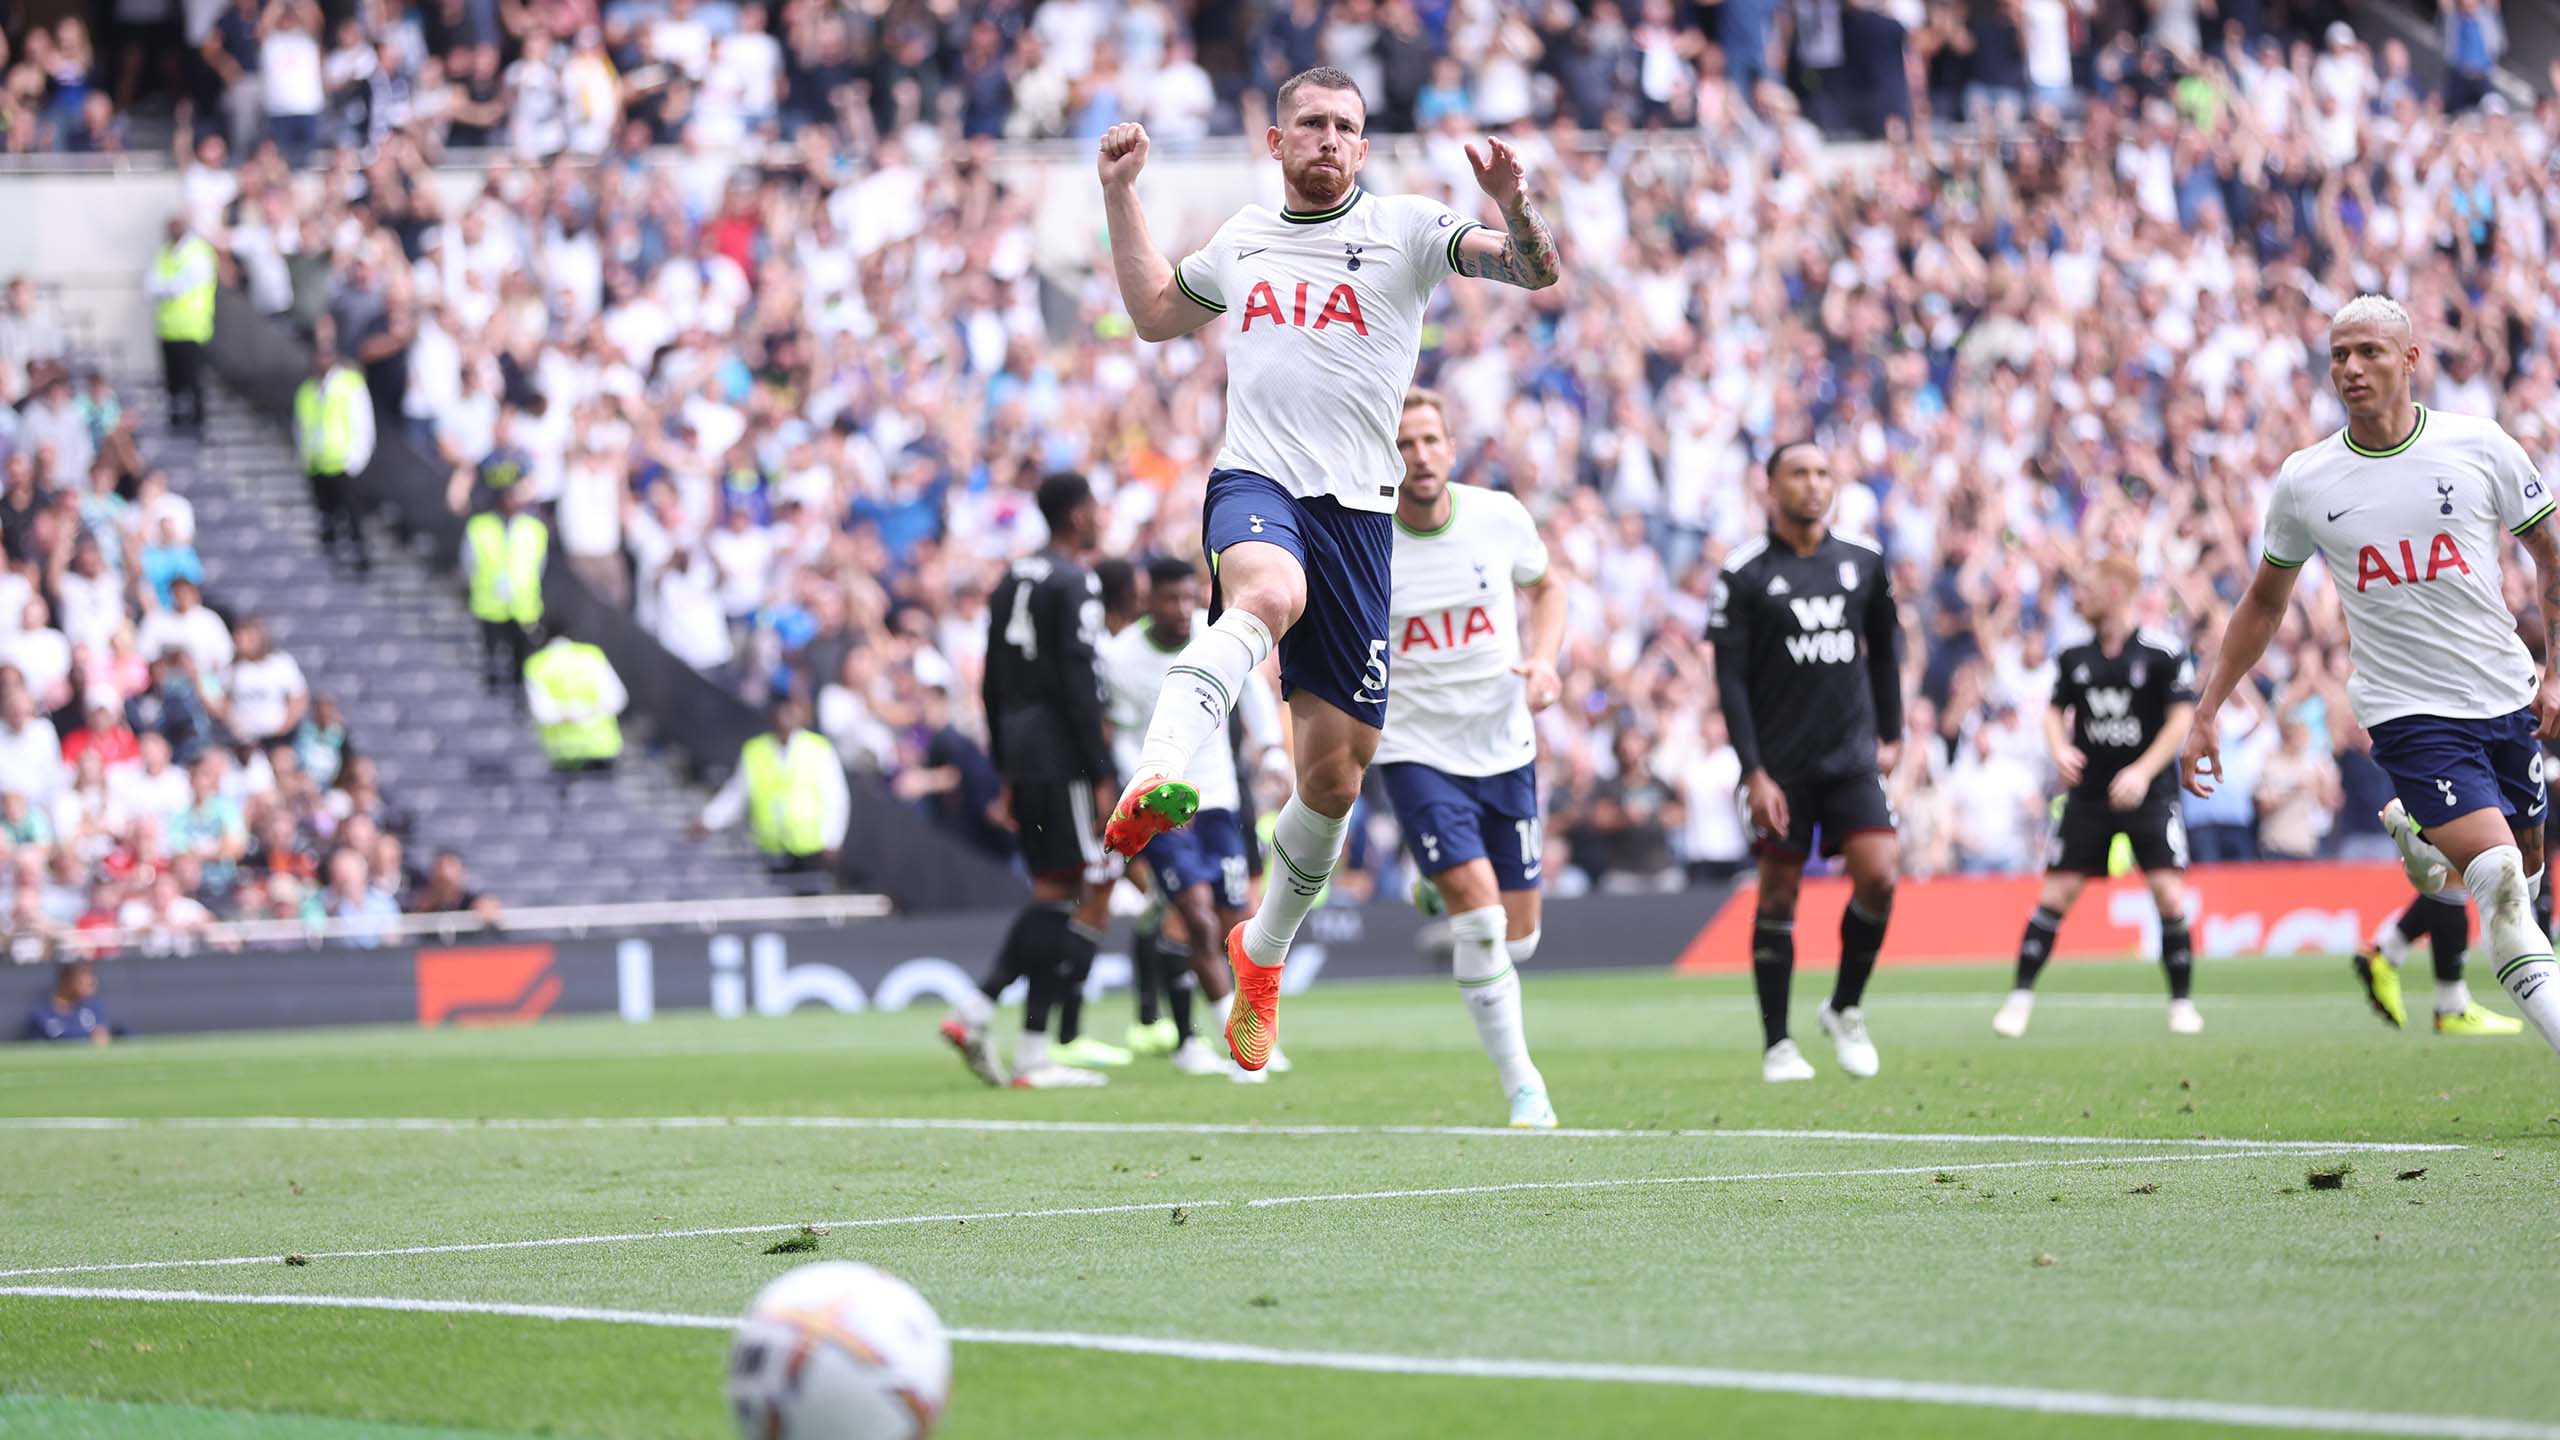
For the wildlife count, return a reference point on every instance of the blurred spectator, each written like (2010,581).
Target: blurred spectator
(182,282)
(576,702)
(366,916)
(790,788)
(188,626)
(2297,793)
(446,889)
(264,695)
(504,552)
(293,89)
(73,1012)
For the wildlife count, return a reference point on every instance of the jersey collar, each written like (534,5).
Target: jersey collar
(2414,432)
(1318,217)
(1436,531)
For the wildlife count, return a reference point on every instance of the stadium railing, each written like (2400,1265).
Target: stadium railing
(577,921)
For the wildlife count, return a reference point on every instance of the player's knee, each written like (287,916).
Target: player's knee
(1873,895)
(1777,901)
(1330,785)
(2061,891)
(1271,599)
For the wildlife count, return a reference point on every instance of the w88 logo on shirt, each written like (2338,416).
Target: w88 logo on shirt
(1823,641)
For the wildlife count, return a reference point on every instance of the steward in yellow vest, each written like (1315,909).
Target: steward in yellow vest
(181,285)
(333,428)
(574,696)
(504,552)
(790,787)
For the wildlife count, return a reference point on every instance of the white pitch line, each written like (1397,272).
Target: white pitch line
(2033,1400)
(1647,1180)
(554,1241)
(441,1125)
(877,1222)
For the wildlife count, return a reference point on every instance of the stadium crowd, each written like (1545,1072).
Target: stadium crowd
(161,765)
(788,402)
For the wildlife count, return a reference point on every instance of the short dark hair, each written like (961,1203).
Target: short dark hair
(1170,570)
(1119,581)
(1322,77)
(1779,452)
(1061,495)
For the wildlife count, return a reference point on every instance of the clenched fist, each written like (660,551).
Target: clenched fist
(1122,154)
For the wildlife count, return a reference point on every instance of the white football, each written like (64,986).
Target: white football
(839,1351)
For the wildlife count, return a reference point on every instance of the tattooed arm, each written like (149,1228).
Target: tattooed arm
(2543,544)
(1524,252)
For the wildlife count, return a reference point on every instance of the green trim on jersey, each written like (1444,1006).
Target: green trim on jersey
(1147,627)
(1460,234)
(2415,431)
(2283,564)
(1444,525)
(2534,519)
(1195,296)
(1295,217)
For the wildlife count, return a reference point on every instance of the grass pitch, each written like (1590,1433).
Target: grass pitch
(2099,1230)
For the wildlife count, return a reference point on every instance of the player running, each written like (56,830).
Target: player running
(1460,757)
(2129,695)
(1044,733)
(1808,648)
(2412,503)
(1327,297)
(1200,871)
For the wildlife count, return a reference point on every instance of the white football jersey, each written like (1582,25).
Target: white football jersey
(1323,325)
(1133,667)
(1455,634)
(2414,537)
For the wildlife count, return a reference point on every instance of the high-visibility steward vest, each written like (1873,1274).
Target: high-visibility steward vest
(783,805)
(573,674)
(324,420)
(187,315)
(506,566)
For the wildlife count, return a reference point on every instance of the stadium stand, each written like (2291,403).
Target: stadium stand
(787,396)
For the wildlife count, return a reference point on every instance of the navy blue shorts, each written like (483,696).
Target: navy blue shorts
(1449,820)
(1338,649)
(1209,851)
(2442,769)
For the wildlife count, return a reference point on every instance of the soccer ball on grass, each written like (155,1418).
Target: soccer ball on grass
(839,1351)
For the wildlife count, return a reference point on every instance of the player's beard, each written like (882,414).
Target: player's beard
(1322,189)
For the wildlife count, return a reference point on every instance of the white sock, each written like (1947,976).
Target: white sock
(2452,997)
(1032,1053)
(2388,939)
(2533,885)
(973,1008)
(1306,844)
(1491,986)
(1224,1006)
(1524,948)
(1200,688)
(2517,945)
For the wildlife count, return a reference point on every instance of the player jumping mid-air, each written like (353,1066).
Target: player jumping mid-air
(2411,508)
(1460,757)
(1322,303)
(1809,665)
(2129,695)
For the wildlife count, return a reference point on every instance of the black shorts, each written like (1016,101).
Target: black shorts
(1057,826)
(1828,809)
(2085,830)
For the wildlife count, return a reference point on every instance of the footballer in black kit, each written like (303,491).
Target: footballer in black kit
(1045,734)
(1808,652)
(2122,702)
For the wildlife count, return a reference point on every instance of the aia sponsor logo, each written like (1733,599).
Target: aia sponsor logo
(1342,307)
(1445,631)
(2375,566)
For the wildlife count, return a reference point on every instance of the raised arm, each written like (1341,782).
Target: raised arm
(1156,301)
(2244,640)
(1524,254)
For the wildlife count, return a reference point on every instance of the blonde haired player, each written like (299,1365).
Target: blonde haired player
(1321,303)
(2412,508)
(1460,758)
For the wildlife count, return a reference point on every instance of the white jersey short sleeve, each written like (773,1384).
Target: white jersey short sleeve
(1133,669)
(1454,630)
(2415,537)
(1322,316)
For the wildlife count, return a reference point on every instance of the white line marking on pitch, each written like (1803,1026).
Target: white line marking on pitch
(2096,1404)
(450,1126)
(1643,1180)
(876,1222)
